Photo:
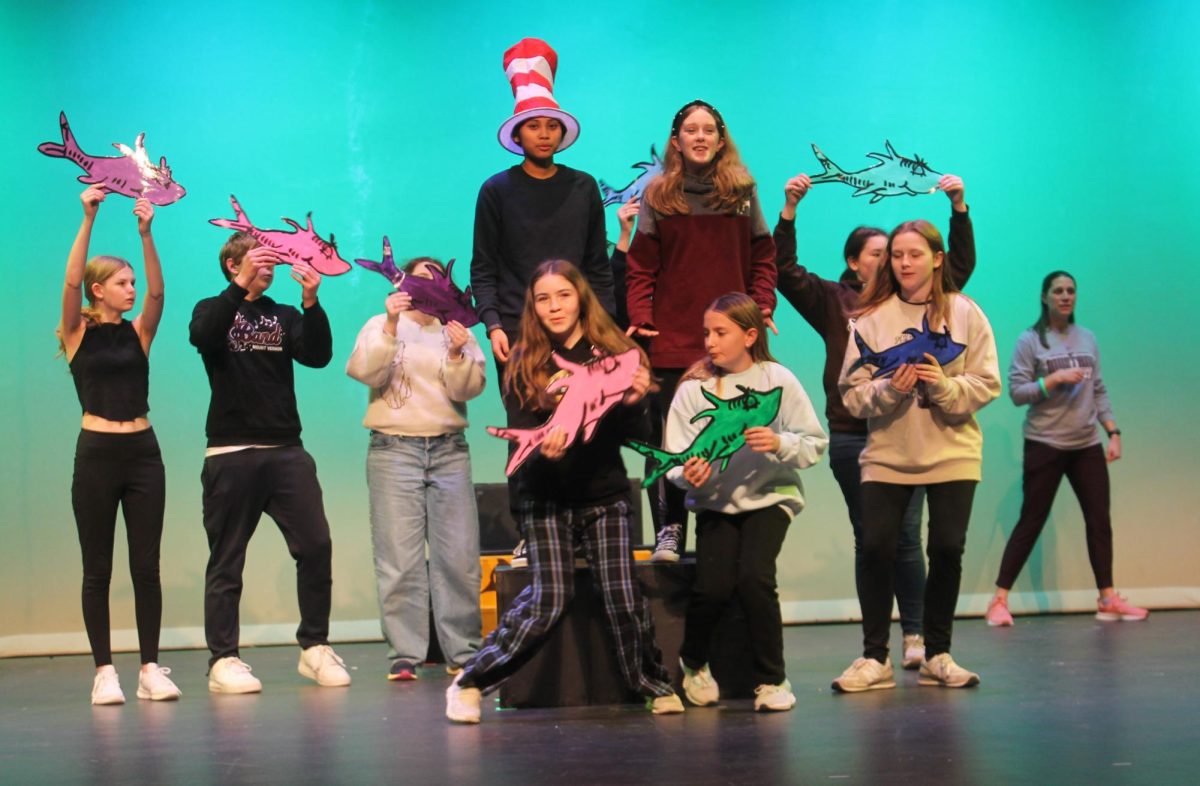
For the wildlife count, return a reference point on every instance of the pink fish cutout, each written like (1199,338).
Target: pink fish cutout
(130,174)
(300,244)
(589,391)
(437,296)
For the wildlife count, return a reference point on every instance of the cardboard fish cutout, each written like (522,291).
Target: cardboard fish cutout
(589,391)
(722,436)
(893,175)
(130,174)
(943,348)
(650,170)
(299,244)
(438,297)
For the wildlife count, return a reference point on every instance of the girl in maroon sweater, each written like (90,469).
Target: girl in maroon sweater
(701,233)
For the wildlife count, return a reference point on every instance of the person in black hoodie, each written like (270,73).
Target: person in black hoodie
(568,495)
(255,462)
(827,305)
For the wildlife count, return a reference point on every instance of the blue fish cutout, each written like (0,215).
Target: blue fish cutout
(650,170)
(893,175)
(943,348)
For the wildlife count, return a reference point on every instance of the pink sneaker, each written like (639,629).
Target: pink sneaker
(997,613)
(1115,608)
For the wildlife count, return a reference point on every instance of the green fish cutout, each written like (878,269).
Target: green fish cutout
(722,436)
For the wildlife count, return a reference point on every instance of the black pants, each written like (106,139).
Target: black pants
(238,488)
(511,410)
(668,502)
(125,470)
(883,510)
(1087,471)
(735,555)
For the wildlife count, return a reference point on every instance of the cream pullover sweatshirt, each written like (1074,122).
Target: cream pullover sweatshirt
(928,435)
(416,390)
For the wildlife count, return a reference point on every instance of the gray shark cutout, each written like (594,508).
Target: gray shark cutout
(892,175)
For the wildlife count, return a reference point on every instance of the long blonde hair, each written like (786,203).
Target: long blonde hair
(527,373)
(731,180)
(740,309)
(884,284)
(97,270)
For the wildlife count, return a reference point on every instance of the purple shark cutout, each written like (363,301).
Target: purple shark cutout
(437,297)
(299,244)
(130,174)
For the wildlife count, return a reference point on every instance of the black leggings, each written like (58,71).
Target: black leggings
(736,555)
(1087,471)
(126,470)
(883,510)
(668,502)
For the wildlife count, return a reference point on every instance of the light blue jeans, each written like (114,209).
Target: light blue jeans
(420,490)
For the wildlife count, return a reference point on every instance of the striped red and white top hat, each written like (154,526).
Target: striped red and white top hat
(530,65)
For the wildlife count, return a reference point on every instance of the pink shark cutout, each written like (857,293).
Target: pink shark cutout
(130,174)
(590,391)
(301,244)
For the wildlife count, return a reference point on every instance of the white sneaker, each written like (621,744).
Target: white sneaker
(666,705)
(774,698)
(520,555)
(699,686)
(232,675)
(866,674)
(106,688)
(942,671)
(319,662)
(463,704)
(914,651)
(154,684)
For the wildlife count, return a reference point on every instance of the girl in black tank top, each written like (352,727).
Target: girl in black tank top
(117,460)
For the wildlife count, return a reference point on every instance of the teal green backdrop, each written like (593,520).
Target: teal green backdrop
(1074,125)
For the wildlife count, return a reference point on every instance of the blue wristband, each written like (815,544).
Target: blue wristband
(1042,385)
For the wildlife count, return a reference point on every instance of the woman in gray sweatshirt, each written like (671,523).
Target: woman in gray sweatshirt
(1056,371)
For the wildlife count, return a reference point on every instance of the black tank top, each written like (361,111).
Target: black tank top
(111,372)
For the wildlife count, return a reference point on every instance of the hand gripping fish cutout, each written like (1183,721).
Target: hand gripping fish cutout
(589,391)
(893,175)
(650,170)
(943,348)
(722,436)
(130,174)
(438,297)
(299,244)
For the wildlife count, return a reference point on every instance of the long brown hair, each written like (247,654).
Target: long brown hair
(528,371)
(97,270)
(884,284)
(731,180)
(740,309)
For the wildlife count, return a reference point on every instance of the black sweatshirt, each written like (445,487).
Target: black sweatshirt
(248,347)
(590,473)
(826,304)
(520,222)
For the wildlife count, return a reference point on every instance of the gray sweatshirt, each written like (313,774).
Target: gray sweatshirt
(1067,418)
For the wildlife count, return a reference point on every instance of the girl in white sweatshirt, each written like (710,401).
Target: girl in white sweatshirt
(742,508)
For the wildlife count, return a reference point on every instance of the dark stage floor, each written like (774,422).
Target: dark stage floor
(1064,699)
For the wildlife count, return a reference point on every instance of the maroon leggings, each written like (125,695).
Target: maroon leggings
(1087,471)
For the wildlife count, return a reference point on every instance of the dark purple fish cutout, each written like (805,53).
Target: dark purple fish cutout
(130,174)
(437,297)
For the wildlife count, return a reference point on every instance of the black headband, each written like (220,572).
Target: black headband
(697,103)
